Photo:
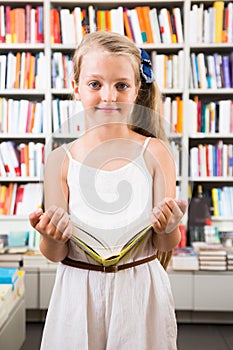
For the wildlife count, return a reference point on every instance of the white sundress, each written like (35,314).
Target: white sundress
(130,309)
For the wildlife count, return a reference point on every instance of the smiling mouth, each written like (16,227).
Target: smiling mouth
(107,109)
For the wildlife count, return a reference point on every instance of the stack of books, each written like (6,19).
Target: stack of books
(230,260)
(185,259)
(11,260)
(211,258)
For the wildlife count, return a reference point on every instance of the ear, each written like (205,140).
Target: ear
(76,90)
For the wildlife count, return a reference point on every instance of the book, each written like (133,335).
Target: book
(219,14)
(185,258)
(108,247)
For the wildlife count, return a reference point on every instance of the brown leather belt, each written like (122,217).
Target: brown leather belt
(115,268)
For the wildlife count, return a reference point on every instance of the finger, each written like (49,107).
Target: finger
(34,217)
(67,233)
(62,223)
(156,223)
(158,214)
(176,207)
(57,216)
(182,205)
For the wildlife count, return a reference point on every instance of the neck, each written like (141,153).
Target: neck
(108,132)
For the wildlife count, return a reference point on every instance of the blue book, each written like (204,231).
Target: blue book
(226,72)
(8,275)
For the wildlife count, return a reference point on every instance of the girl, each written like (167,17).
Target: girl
(129,306)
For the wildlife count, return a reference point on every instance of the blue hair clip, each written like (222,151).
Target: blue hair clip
(146,67)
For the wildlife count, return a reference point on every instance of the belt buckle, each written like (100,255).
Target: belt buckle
(113,268)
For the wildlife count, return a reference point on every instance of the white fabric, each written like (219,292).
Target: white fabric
(130,309)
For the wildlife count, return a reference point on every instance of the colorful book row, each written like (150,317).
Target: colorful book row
(21,116)
(20,199)
(21,24)
(173,114)
(213,24)
(23,70)
(222,201)
(211,160)
(62,68)
(141,24)
(67,117)
(211,71)
(212,117)
(168,70)
(21,159)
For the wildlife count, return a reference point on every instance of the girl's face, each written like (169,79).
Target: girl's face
(105,78)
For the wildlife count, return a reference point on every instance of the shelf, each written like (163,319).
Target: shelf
(202,135)
(211,179)
(222,91)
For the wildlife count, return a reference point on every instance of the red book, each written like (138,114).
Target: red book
(18,199)
(57,26)
(8,25)
(29,115)
(183,237)
(14,157)
(52,26)
(22,159)
(20,25)
(28,23)
(2,18)
(39,24)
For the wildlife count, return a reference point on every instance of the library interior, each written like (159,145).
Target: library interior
(190,45)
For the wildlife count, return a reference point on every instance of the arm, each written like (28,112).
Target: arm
(54,225)
(167,211)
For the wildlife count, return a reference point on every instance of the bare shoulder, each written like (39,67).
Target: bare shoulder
(158,155)
(57,159)
(160,149)
(59,153)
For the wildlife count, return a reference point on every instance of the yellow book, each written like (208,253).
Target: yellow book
(219,14)
(214,194)
(109,250)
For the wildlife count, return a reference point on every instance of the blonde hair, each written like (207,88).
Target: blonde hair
(149,95)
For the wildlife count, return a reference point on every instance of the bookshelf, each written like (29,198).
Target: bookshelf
(184,137)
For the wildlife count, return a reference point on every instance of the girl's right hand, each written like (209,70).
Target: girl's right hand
(54,223)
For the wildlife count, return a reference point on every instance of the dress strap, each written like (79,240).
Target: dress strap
(64,146)
(147,140)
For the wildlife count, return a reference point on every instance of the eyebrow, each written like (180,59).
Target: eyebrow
(97,76)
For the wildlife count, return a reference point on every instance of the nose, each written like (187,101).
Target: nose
(108,94)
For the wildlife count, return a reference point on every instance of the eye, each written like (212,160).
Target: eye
(94,85)
(122,86)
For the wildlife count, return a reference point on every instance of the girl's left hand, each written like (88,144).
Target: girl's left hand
(167,215)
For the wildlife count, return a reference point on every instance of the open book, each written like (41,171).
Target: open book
(108,248)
